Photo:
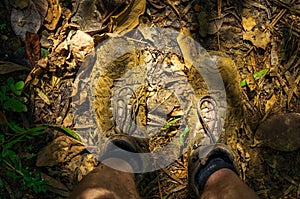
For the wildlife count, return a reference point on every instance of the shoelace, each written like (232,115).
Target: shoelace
(208,130)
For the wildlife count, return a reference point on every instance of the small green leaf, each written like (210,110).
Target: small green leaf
(19,85)
(37,130)
(183,134)
(10,81)
(259,75)
(44,52)
(4,89)
(174,121)
(16,128)
(23,99)
(16,105)
(1,138)
(70,132)
(17,92)
(243,83)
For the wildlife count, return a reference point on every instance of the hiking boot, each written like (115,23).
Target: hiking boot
(127,148)
(207,156)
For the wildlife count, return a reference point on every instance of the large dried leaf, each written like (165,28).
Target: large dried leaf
(81,44)
(88,16)
(55,186)
(53,15)
(19,4)
(9,67)
(60,150)
(32,47)
(42,7)
(25,20)
(258,38)
(128,19)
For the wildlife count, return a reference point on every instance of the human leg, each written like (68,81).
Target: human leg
(107,182)
(114,178)
(212,174)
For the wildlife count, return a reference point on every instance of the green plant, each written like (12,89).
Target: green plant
(2,26)
(259,75)
(12,162)
(182,134)
(10,96)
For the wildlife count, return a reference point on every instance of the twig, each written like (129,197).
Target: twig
(277,18)
(173,8)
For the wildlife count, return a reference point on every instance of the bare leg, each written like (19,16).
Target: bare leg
(224,183)
(107,183)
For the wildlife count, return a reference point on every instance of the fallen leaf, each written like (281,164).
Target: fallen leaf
(19,4)
(258,38)
(88,16)
(270,102)
(81,44)
(60,150)
(186,44)
(32,47)
(55,186)
(53,15)
(248,23)
(250,81)
(25,20)
(9,67)
(128,19)
(42,95)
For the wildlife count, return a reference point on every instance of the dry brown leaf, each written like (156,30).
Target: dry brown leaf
(270,102)
(258,38)
(9,67)
(32,47)
(43,96)
(26,20)
(185,43)
(88,16)
(214,26)
(81,44)
(53,15)
(128,19)
(19,4)
(55,186)
(250,81)
(60,150)
(248,23)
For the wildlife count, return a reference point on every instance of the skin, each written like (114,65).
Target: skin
(224,184)
(107,183)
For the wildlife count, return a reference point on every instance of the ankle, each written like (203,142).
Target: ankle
(118,164)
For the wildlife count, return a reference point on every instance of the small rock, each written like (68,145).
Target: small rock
(280,132)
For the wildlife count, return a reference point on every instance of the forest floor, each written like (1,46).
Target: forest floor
(61,75)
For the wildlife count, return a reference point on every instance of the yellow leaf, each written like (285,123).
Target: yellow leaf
(270,102)
(128,19)
(248,23)
(258,38)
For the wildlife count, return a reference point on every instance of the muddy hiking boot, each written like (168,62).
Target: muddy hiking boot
(207,156)
(127,148)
